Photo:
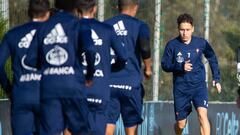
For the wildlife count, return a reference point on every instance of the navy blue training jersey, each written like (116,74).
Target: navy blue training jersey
(129,30)
(104,38)
(58,46)
(15,44)
(176,53)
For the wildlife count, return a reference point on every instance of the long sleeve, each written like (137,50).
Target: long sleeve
(119,50)
(168,62)
(89,49)
(4,55)
(144,41)
(213,62)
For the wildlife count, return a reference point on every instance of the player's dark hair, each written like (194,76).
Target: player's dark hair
(53,11)
(38,8)
(184,18)
(122,4)
(66,5)
(86,5)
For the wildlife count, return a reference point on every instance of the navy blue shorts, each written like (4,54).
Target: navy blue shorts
(61,113)
(185,97)
(128,103)
(25,118)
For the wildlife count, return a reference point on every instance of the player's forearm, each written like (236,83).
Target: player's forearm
(145,48)
(148,64)
(90,58)
(168,66)
(214,68)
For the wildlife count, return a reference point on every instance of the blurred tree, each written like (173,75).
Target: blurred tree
(224,35)
(3,29)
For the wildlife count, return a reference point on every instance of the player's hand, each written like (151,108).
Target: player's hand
(89,83)
(218,86)
(188,66)
(148,74)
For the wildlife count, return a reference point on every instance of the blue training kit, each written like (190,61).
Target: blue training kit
(98,94)
(104,39)
(189,86)
(25,90)
(58,47)
(127,82)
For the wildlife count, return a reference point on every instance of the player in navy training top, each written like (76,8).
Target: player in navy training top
(183,57)
(25,91)
(104,38)
(126,88)
(58,47)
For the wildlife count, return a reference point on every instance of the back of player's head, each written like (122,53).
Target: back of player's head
(86,5)
(53,11)
(66,5)
(126,4)
(38,8)
(184,18)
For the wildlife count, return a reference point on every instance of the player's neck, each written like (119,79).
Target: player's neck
(40,19)
(128,12)
(187,42)
(88,15)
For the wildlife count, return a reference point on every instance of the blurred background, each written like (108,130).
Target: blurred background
(223,30)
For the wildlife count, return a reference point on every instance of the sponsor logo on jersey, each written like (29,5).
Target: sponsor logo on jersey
(120,29)
(57,56)
(124,87)
(59,71)
(179,58)
(27,39)
(94,100)
(97,59)
(57,35)
(26,66)
(97,73)
(30,77)
(97,41)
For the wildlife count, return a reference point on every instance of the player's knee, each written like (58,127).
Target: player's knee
(108,133)
(181,124)
(109,130)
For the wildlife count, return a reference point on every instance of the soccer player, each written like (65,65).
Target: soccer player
(104,38)
(25,91)
(126,85)
(58,47)
(183,57)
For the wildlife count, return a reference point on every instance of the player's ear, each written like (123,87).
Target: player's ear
(48,13)
(95,9)
(192,28)
(135,7)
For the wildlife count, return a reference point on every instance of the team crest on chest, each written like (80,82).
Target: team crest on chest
(57,56)
(179,58)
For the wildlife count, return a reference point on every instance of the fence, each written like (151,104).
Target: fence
(159,118)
